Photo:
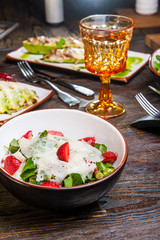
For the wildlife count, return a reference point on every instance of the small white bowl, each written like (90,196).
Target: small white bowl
(152,59)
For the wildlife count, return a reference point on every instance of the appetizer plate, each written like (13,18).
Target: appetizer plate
(152,61)
(43,95)
(135,62)
(73,124)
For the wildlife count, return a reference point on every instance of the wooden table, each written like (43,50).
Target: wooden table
(131,210)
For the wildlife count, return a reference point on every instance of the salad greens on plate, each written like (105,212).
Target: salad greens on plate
(156,64)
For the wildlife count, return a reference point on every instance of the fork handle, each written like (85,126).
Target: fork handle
(65,97)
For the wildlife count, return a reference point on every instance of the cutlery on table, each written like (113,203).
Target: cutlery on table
(146,122)
(148,107)
(154,89)
(80,89)
(30,76)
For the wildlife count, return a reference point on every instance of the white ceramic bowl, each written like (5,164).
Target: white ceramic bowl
(152,59)
(74,124)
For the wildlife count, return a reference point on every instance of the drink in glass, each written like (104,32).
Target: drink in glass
(106,41)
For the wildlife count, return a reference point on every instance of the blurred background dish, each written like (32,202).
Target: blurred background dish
(42,93)
(154,62)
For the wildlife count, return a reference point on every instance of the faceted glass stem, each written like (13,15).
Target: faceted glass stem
(105,107)
(105,95)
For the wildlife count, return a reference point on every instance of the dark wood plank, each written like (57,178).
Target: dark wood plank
(153,41)
(141,21)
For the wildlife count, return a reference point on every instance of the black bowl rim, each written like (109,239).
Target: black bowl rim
(123,161)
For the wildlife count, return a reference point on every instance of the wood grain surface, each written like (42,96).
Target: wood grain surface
(141,21)
(153,41)
(131,210)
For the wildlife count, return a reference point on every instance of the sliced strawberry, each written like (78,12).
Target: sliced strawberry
(7,77)
(109,157)
(55,133)
(89,140)
(28,135)
(11,164)
(63,152)
(51,184)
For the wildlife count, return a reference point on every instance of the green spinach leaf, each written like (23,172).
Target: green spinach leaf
(156,65)
(158,57)
(73,179)
(14,146)
(101,147)
(28,170)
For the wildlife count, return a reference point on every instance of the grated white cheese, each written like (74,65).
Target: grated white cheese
(82,157)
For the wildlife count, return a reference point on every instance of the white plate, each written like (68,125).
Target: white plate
(43,95)
(21,54)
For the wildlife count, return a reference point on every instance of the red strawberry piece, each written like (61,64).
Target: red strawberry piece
(7,77)
(51,184)
(11,164)
(89,140)
(63,152)
(96,169)
(109,157)
(28,135)
(55,133)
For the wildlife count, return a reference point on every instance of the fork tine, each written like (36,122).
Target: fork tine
(148,107)
(155,110)
(22,69)
(28,67)
(30,76)
(143,105)
(26,71)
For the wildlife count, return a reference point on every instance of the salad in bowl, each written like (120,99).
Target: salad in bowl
(60,159)
(52,160)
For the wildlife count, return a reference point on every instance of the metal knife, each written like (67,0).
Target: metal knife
(77,88)
(146,122)
(154,89)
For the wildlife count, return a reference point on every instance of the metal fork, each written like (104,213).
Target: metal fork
(148,107)
(30,76)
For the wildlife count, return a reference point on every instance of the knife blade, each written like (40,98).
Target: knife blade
(154,89)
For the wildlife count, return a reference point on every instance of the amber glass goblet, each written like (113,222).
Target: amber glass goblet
(106,41)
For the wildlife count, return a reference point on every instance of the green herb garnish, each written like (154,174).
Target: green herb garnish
(60,43)
(43,134)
